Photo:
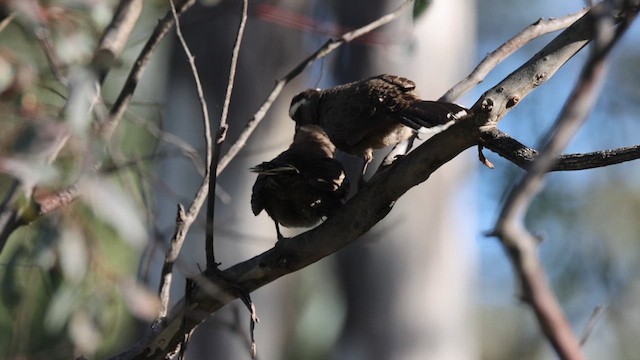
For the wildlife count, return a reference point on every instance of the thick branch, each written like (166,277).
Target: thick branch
(364,210)
(496,102)
(521,155)
(115,36)
(535,30)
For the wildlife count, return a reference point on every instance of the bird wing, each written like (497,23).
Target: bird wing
(353,110)
(290,170)
(402,103)
(257,195)
(274,167)
(267,171)
(320,172)
(401,83)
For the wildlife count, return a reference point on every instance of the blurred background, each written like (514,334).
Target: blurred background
(423,283)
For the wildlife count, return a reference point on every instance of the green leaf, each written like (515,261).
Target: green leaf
(419,7)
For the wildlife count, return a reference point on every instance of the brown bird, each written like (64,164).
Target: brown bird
(302,185)
(372,113)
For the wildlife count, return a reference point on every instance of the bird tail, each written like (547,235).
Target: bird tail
(427,114)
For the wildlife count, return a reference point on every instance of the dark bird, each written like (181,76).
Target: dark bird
(302,185)
(372,113)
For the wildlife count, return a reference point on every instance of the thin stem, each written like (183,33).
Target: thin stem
(184,220)
(535,30)
(222,131)
(139,66)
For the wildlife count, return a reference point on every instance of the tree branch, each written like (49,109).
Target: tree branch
(43,35)
(535,30)
(7,20)
(118,109)
(494,104)
(185,220)
(115,36)
(519,244)
(365,209)
(521,155)
(221,135)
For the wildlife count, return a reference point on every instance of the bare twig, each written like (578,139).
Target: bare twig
(591,324)
(518,242)
(325,50)
(43,35)
(164,290)
(521,155)
(535,30)
(11,219)
(220,137)
(6,21)
(185,148)
(115,36)
(57,200)
(184,220)
(126,94)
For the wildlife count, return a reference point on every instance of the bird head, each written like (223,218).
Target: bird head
(304,107)
(312,137)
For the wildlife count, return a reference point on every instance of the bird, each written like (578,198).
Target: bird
(302,185)
(372,113)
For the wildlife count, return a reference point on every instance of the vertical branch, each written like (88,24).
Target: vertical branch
(518,242)
(184,220)
(220,137)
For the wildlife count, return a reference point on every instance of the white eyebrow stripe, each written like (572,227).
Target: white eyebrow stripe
(295,106)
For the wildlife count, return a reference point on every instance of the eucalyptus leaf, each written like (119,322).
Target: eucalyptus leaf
(116,208)
(141,302)
(61,308)
(73,255)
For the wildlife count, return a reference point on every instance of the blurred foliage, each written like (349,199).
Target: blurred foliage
(67,281)
(419,7)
